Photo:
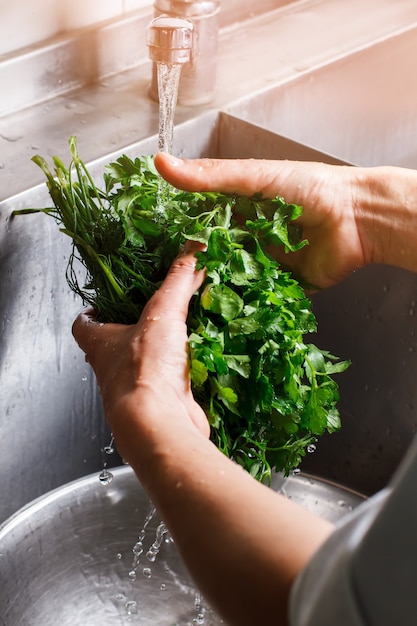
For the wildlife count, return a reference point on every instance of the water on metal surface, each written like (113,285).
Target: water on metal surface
(88,554)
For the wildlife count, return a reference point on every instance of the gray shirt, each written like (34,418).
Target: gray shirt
(366,572)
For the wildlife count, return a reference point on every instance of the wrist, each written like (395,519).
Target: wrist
(149,425)
(385,200)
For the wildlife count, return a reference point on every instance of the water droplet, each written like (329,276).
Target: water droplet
(131,607)
(201,611)
(132,575)
(163,587)
(109,450)
(147,572)
(344,505)
(138,548)
(120,556)
(105,477)
(296,471)
(155,548)
(311,448)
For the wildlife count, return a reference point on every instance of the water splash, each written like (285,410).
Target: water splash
(155,548)
(138,548)
(200,618)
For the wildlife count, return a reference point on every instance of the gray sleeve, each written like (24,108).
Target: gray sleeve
(366,573)
(323,594)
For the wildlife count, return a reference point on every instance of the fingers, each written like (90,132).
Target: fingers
(241,176)
(86,329)
(82,327)
(171,300)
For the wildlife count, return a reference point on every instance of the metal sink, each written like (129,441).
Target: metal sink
(77,551)
(361,108)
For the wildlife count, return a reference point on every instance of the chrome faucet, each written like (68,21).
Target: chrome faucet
(169,42)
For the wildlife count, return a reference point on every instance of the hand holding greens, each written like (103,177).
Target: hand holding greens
(268,395)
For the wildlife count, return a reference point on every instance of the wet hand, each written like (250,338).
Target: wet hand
(327,194)
(142,369)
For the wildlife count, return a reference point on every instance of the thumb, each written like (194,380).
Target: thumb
(181,282)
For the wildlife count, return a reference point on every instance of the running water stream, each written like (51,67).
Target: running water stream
(148,549)
(170,41)
(168,82)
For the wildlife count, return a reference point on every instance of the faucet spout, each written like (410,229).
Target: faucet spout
(170,40)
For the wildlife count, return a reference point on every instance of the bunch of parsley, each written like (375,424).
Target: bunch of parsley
(268,395)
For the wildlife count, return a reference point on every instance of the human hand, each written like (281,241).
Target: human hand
(142,369)
(325,192)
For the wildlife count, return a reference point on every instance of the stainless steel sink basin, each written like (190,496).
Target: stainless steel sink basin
(49,392)
(68,558)
(361,108)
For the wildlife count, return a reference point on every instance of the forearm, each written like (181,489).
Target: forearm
(243,543)
(385,204)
